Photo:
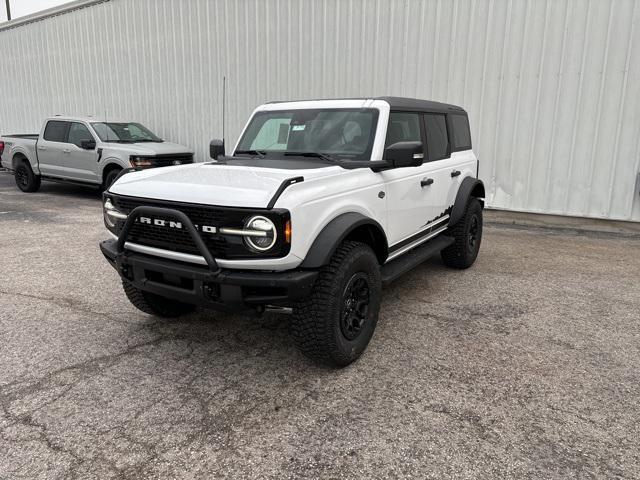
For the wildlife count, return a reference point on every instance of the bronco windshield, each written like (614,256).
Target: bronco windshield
(346,134)
(124,132)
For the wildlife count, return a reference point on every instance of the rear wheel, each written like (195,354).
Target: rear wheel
(335,323)
(26,180)
(467,235)
(155,304)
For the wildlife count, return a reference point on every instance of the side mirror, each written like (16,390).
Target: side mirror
(405,154)
(88,144)
(216,149)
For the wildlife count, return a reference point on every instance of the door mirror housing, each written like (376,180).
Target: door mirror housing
(216,149)
(405,154)
(88,144)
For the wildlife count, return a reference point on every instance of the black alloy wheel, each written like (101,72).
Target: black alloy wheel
(22,177)
(355,306)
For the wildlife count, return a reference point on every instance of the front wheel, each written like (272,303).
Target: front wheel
(467,235)
(110,177)
(335,323)
(26,180)
(155,304)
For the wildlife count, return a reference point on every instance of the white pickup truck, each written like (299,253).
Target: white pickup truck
(85,151)
(318,206)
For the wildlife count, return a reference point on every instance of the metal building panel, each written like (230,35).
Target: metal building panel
(552,87)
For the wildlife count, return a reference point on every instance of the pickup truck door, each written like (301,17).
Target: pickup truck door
(412,200)
(80,163)
(50,146)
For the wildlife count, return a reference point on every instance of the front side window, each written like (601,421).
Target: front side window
(403,127)
(437,137)
(124,132)
(344,133)
(56,131)
(78,133)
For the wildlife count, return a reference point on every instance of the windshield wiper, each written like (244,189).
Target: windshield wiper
(322,156)
(259,153)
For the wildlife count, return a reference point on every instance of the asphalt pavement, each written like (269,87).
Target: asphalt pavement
(524,366)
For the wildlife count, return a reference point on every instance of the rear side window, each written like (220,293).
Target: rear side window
(77,133)
(460,130)
(437,138)
(56,131)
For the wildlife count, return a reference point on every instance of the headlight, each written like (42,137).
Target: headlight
(140,162)
(112,214)
(266,234)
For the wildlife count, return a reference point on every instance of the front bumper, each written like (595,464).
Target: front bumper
(224,289)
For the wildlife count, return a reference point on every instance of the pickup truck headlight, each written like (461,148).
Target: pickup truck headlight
(265,235)
(112,215)
(140,162)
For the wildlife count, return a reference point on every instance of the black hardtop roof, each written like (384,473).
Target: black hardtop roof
(399,103)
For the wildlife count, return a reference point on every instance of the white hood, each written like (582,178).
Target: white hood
(213,184)
(149,148)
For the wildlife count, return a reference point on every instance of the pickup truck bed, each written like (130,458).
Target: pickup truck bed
(30,136)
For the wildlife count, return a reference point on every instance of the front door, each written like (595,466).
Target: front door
(80,163)
(411,197)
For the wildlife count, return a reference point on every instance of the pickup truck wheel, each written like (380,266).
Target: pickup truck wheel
(155,304)
(467,234)
(335,323)
(26,180)
(110,178)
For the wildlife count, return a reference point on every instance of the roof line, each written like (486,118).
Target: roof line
(49,12)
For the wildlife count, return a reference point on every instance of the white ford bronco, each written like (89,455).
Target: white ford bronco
(85,151)
(318,206)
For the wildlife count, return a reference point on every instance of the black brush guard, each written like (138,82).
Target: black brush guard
(210,286)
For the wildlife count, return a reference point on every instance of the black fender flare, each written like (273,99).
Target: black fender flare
(470,187)
(337,230)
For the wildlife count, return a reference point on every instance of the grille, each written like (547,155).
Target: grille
(167,160)
(179,240)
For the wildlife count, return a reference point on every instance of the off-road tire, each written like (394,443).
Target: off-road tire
(319,323)
(467,235)
(26,180)
(155,304)
(110,178)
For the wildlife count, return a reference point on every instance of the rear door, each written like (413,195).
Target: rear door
(439,167)
(50,148)
(80,163)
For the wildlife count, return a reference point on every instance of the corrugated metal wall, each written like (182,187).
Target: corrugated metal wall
(552,86)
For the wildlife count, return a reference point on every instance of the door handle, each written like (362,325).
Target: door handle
(66,150)
(455,173)
(41,147)
(425,182)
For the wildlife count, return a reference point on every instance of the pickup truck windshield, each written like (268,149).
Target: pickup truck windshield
(124,132)
(346,134)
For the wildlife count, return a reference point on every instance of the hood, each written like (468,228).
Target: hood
(214,184)
(150,148)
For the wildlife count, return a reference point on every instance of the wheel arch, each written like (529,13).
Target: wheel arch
(19,157)
(470,187)
(347,226)
(109,167)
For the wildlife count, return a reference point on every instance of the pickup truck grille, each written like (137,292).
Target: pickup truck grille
(179,240)
(170,159)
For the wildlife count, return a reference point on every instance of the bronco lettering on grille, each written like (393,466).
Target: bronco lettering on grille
(158,222)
